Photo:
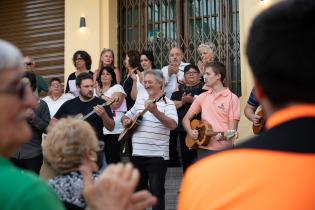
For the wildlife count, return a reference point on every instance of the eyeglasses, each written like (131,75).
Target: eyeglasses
(55,85)
(191,72)
(28,64)
(19,90)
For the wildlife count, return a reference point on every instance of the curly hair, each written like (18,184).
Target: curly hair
(67,143)
(150,56)
(134,58)
(85,56)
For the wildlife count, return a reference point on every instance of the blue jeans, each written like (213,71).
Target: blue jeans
(152,172)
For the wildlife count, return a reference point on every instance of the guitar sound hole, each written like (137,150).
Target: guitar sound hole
(202,132)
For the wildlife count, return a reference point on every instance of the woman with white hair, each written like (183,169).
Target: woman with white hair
(207,54)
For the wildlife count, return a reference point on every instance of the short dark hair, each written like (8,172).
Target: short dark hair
(32,78)
(280,50)
(218,68)
(54,79)
(82,76)
(85,56)
(191,66)
(111,71)
(134,58)
(150,56)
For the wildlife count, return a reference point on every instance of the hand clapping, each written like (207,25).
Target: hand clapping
(113,190)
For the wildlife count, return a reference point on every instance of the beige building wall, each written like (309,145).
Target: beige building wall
(101,32)
(248,10)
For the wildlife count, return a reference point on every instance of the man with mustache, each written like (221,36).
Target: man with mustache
(150,141)
(174,72)
(85,103)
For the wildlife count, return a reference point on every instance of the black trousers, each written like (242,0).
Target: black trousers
(32,164)
(174,157)
(112,148)
(188,156)
(152,172)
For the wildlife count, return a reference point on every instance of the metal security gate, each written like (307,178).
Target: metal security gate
(162,24)
(37,28)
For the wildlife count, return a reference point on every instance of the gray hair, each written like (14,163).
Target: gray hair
(158,75)
(10,56)
(209,46)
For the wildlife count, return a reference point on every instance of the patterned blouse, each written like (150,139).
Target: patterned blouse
(177,96)
(69,187)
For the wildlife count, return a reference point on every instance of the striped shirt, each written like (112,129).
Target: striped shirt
(151,138)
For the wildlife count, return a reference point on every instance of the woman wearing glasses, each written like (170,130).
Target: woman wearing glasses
(82,62)
(183,98)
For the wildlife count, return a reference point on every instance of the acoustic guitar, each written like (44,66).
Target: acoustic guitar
(136,121)
(107,103)
(205,132)
(259,127)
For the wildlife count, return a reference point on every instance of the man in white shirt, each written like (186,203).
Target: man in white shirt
(174,72)
(55,98)
(150,141)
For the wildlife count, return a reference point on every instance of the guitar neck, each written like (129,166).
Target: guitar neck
(143,112)
(155,100)
(108,103)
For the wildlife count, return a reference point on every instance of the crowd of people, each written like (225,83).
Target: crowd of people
(76,134)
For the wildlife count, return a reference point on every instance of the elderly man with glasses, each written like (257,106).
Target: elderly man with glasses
(18,190)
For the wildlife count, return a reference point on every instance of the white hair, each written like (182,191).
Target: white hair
(10,56)
(209,46)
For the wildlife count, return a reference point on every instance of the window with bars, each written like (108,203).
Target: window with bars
(159,25)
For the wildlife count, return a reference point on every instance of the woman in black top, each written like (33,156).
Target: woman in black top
(82,62)
(132,64)
(183,98)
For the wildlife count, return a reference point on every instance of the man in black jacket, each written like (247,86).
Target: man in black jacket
(29,156)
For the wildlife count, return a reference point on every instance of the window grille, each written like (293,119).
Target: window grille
(159,25)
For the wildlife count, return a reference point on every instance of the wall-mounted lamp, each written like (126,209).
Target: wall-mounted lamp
(82,22)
